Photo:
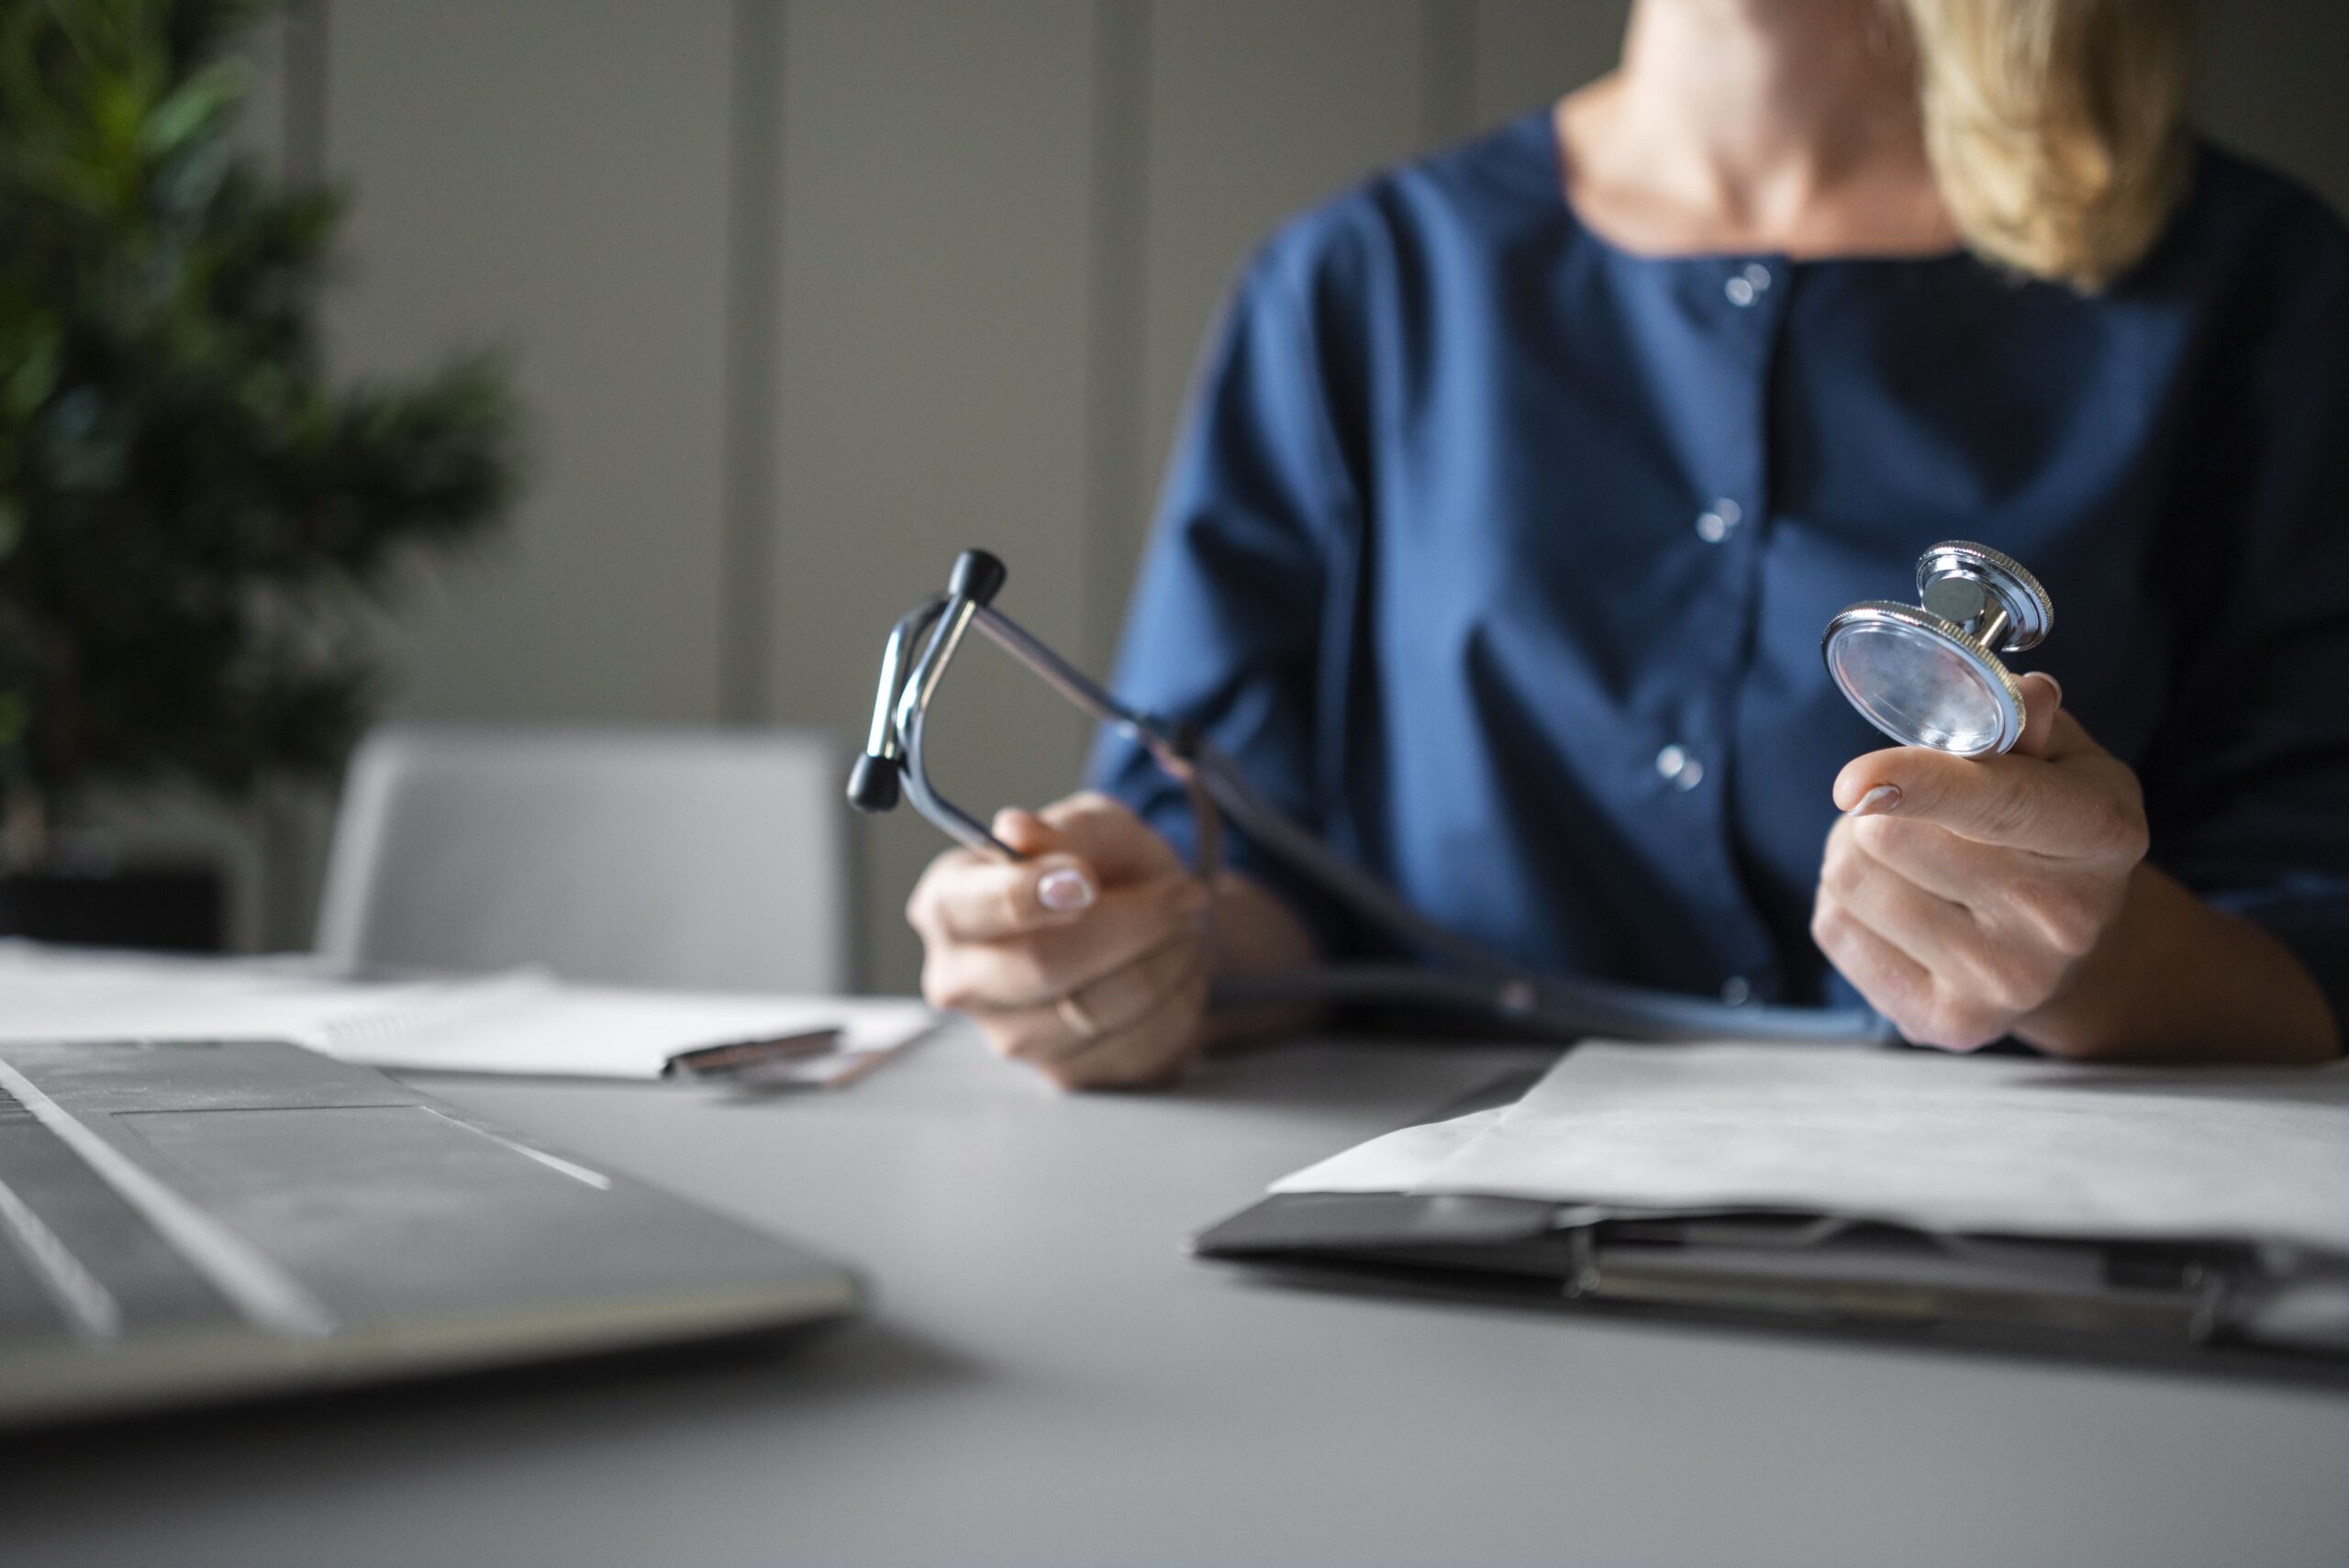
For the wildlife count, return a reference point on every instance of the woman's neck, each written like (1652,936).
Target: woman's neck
(1756,124)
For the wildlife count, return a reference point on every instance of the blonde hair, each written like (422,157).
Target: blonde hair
(2057,127)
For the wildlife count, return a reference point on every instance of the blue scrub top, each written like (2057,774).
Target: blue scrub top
(1500,555)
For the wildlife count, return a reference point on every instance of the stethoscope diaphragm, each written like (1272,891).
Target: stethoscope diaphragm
(1929,674)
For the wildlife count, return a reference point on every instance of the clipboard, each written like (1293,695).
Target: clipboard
(2221,1306)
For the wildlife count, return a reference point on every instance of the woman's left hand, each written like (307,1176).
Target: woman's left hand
(1959,895)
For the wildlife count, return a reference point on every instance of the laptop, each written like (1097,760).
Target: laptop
(185,1222)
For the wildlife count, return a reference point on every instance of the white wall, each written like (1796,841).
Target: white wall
(805,294)
(936,253)
(549,181)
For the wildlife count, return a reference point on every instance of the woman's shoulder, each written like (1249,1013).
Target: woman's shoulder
(2253,232)
(2235,189)
(1479,197)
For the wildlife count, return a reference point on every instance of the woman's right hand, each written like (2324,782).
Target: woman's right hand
(1088,960)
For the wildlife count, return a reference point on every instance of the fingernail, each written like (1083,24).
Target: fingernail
(1877,802)
(1063,888)
(2059,688)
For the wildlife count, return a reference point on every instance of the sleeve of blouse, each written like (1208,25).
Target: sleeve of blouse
(1225,627)
(2249,792)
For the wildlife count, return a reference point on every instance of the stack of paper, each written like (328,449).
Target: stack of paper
(522,1021)
(1986,1145)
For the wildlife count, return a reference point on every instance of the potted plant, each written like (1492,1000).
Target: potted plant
(192,517)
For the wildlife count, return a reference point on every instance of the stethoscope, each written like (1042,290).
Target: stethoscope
(1926,676)
(1930,676)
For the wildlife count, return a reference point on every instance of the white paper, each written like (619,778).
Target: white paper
(522,1021)
(1394,1162)
(1969,1144)
(608,1032)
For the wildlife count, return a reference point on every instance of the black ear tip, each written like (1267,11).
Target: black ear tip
(872,784)
(977,577)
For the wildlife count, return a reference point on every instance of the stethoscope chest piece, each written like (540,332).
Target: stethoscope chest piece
(1929,674)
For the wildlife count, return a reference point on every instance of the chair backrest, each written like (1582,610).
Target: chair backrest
(636,856)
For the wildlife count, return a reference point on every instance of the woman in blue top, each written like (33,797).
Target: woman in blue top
(1521,482)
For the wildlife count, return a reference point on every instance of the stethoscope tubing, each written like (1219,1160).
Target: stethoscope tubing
(1478,983)
(1556,1010)
(1484,983)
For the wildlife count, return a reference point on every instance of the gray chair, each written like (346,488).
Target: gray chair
(635,856)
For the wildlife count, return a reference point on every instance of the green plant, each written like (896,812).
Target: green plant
(192,519)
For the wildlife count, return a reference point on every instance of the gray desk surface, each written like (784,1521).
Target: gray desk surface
(1047,1378)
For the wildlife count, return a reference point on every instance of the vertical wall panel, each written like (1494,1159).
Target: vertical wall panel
(550,176)
(936,165)
(1255,111)
(261,123)
(1530,53)
(753,360)
(1121,460)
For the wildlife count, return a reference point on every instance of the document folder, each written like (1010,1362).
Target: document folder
(2252,1303)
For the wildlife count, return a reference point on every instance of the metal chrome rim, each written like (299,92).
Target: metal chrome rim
(2031,611)
(2004,689)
